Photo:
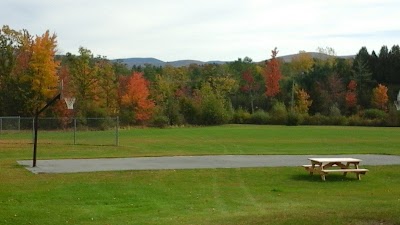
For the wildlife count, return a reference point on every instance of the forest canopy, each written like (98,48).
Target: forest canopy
(358,90)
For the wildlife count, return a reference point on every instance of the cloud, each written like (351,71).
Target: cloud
(208,29)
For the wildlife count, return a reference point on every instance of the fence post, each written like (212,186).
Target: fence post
(74,131)
(1,125)
(116,131)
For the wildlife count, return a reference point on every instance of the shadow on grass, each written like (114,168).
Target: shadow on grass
(328,178)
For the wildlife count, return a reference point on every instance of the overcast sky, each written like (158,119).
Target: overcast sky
(208,29)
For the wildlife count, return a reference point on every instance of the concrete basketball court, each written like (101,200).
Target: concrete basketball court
(190,162)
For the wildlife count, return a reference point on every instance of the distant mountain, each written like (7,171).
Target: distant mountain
(315,55)
(156,62)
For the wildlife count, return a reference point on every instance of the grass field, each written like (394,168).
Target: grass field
(284,195)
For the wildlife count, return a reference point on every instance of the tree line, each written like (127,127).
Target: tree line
(326,90)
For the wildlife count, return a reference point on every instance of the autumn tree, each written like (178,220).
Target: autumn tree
(43,67)
(331,92)
(302,63)
(30,70)
(351,96)
(250,87)
(272,75)
(380,97)
(303,101)
(137,98)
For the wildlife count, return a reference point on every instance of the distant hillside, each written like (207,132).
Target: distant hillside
(315,55)
(156,62)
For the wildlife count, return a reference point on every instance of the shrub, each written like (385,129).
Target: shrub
(160,121)
(317,119)
(213,112)
(374,114)
(278,113)
(337,120)
(260,117)
(189,111)
(334,111)
(293,119)
(241,116)
(393,117)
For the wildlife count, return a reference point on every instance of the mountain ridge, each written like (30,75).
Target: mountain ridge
(142,61)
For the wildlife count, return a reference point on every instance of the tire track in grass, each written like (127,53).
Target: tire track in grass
(246,192)
(220,204)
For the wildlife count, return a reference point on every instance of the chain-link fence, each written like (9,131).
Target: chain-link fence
(91,131)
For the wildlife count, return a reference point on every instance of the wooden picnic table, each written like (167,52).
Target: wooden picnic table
(323,166)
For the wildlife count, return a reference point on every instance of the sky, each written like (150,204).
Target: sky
(207,30)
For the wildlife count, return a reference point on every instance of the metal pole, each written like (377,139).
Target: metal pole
(1,125)
(33,129)
(35,138)
(36,125)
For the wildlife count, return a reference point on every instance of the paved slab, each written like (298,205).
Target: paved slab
(189,162)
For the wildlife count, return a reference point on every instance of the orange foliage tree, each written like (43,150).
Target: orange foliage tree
(380,97)
(136,97)
(272,75)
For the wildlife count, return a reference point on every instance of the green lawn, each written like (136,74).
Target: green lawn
(207,196)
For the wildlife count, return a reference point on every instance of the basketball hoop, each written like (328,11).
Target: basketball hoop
(69,102)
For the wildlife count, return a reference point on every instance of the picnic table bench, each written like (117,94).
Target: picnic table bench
(324,166)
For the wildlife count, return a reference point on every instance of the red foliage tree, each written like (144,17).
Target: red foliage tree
(250,87)
(137,97)
(351,95)
(272,76)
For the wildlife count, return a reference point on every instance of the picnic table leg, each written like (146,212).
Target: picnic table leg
(347,166)
(358,174)
(312,168)
(322,173)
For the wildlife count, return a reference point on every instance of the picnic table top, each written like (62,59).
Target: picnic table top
(322,160)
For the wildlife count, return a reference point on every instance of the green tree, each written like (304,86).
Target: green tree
(212,108)
(7,64)
(363,77)
(108,84)
(84,82)
(168,88)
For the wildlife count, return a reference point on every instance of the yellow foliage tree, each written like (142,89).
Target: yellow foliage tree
(303,101)
(43,68)
(302,63)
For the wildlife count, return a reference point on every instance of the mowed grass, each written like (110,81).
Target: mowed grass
(283,195)
(230,139)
